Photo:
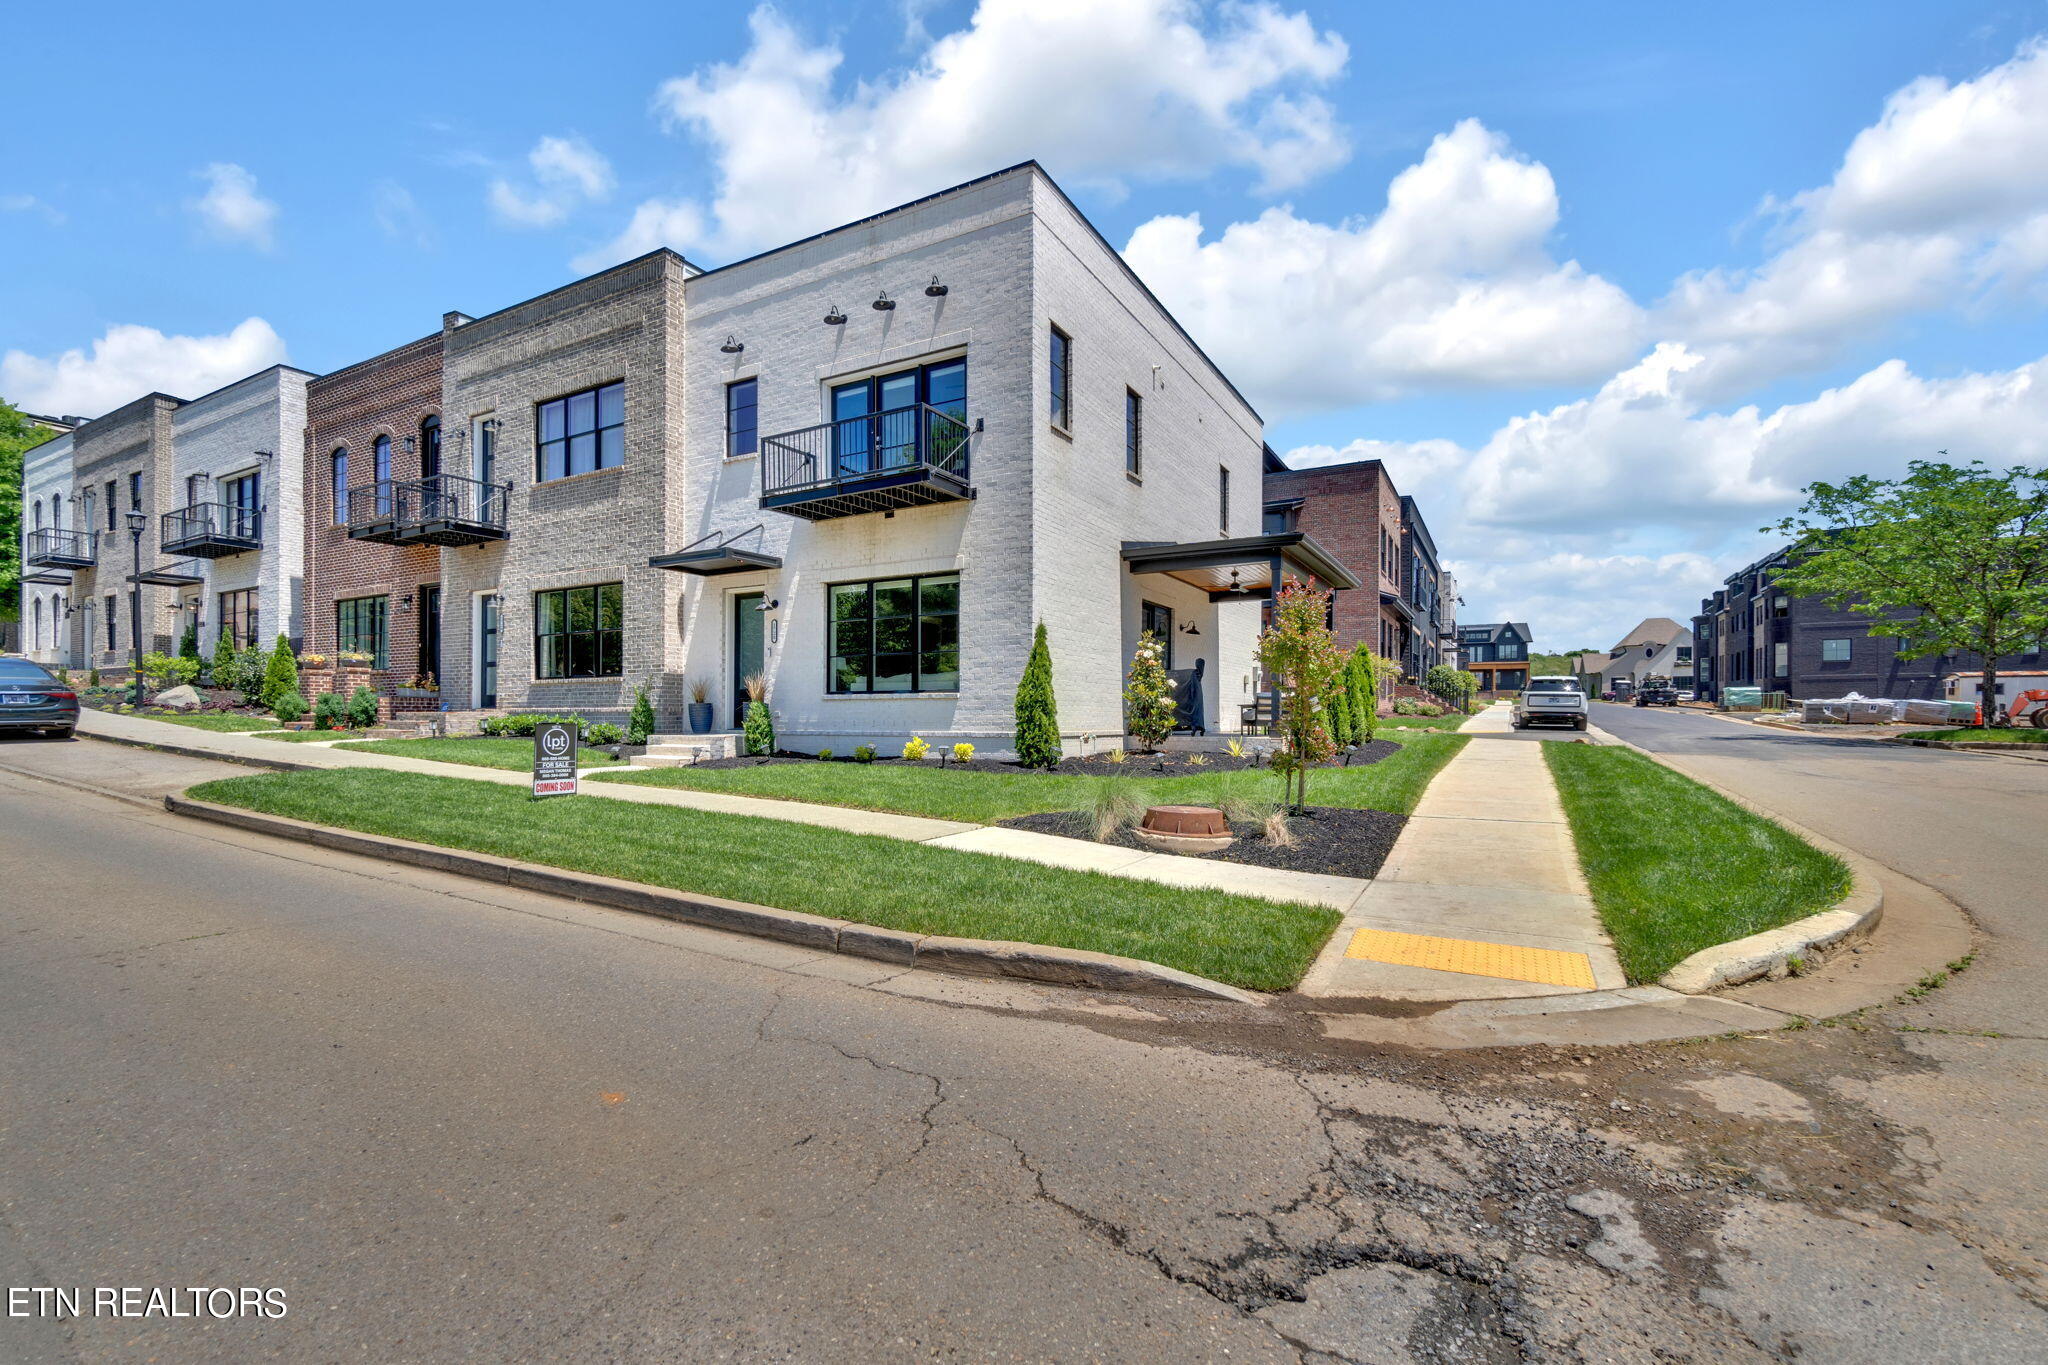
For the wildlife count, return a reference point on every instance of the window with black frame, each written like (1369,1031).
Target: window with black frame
(359,628)
(237,618)
(430,447)
(337,468)
(895,635)
(578,632)
(581,433)
(742,414)
(1062,375)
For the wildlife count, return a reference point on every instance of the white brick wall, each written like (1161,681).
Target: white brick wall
(46,473)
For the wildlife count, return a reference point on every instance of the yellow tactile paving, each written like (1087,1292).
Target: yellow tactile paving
(1506,961)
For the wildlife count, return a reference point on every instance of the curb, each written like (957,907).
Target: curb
(979,957)
(1970,745)
(194,751)
(1772,952)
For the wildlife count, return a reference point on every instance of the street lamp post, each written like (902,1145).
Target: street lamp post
(136,521)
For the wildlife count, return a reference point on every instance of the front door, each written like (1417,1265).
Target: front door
(747,654)
(487,650)
(1159,620)
(430,631)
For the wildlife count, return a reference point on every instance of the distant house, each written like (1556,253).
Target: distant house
(1657,647)
(1498,653)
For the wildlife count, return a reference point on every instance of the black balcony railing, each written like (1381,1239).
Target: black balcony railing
(904,457)
(210,530)
(441,509)
(52,549)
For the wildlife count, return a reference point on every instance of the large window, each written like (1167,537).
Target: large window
(580,433)
(359,628)
(576,632)
(895,635)
(1062,379)
(237,618)
(337,470)
(1134,434)
(1834,651)
(742,429)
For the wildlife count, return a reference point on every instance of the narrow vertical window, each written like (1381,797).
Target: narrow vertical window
(113,509)
(135,490)
(1062,379)
(1223,501)
(430,447)
(380,459)
(111,600)
(337,464)
(742,427)
(1134,434)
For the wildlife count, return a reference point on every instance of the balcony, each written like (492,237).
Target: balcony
(48,549)
(441,509)
(905,457)
(212,530)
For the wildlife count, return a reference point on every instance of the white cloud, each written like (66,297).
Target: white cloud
(29,203)
(232,209)
(567,171)
(658,222)
(400,215)
(1102,91)
(1450,286)
(129,361)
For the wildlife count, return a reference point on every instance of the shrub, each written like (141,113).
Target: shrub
(1198,760)
(1114,803)
(330,712)
(1362,685)
(188,646)
(64,676)
(963,753)
(522,724)
(362,709)
(863,753)
(1038,722)
(603,732)
(640,724)
(824,755)
(281,674)
(289,707)
(1453,684)
(222,671)
(1235,748)
(1149,712)
(168,670)
(916,749)
(1337,715)
(760,728)
(1406,706)
(92,678)
(1117,756)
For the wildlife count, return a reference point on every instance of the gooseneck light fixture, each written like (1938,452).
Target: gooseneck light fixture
(733,346)
(883,303)
(835,318)
(935,289)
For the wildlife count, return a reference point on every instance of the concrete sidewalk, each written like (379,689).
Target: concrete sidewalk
(1076,854)
(1485,878)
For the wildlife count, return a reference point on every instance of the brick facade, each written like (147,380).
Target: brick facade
(387,395)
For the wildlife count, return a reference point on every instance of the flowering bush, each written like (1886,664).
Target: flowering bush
(916,749)
(962,752)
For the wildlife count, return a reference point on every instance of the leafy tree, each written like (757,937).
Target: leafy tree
(1948,559)
(17,435)
(1300,655)
(224,670)
(188,644)
(1038,721)
(640,724)
(1149,710)
(281,678)
(1453,684)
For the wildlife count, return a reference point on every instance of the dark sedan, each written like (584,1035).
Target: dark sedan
(31,698)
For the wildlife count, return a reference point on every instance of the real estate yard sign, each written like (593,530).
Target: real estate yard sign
(554,760)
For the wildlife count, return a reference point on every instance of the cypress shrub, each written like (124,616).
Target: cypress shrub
(188,644)
(760,728)
(224,674)
(281,678)
(1364,688)
(1038,722)
(640,724)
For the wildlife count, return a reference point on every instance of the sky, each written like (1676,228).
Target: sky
(1604,285)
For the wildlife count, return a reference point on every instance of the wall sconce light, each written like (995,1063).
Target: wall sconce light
(732,346)
(1188,628)
(408,445)
(835,318)
(768,604)
(935,289)
(883,303)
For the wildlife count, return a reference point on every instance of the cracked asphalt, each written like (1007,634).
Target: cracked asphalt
(454,1121)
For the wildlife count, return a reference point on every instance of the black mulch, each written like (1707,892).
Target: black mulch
(1329,839)
(1095,765)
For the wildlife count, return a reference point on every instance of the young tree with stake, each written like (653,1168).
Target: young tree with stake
(1300,655)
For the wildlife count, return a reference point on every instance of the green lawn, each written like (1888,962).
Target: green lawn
(888,882)
(220,722)
(2018,734)
(1674,867)
(1393,784)
(513,754)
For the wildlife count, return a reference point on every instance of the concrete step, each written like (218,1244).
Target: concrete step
(722,744)
(658,761)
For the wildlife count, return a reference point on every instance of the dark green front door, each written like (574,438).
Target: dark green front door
(747,654)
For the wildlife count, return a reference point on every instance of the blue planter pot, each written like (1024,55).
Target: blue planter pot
(700,717)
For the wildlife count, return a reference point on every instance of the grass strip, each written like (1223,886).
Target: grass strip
(1245,941)
(1393,784)
(513,755)
(1675,867)
(2018,734)
(219,722)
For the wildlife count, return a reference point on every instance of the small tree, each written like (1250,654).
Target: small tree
(1361,679)
(1452,684)
(1038,722)
(222,673)
(1149,710)
(640,724)
(281,678)
(1300,655)
(1949,559)
(188,644)
(759,726)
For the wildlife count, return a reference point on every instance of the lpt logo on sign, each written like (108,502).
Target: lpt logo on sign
(554,760)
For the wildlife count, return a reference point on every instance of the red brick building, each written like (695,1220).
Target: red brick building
(1356,514)
(377,419)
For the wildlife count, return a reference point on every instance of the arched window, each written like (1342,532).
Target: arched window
(382,454)
(338,471)
(39,601)
(56,513)
(39,514)
(430,447)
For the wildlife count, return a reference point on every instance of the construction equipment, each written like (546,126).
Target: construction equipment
(2030,706)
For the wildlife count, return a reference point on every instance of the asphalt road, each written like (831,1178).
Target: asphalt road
(453,1121)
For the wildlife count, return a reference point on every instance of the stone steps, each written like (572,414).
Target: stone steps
(676,751)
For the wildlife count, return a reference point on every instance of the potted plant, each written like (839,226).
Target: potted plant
(700,705)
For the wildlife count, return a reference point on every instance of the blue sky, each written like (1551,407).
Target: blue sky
(254,182)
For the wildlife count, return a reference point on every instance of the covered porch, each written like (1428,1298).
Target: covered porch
(1220,579)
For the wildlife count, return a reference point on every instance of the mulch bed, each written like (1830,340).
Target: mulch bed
(1095,765)
(1334,840)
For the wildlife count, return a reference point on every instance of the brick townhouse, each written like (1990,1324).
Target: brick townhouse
(1401,607)
(1750,633)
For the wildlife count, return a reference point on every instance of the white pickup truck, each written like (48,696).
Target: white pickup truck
(1551,701)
